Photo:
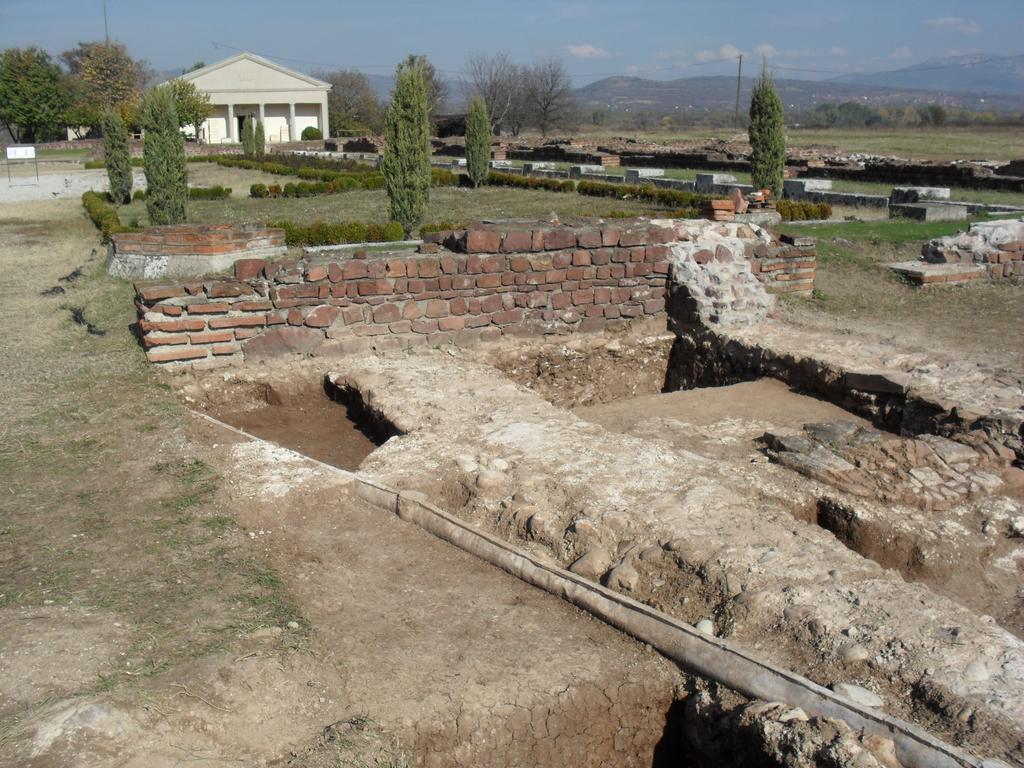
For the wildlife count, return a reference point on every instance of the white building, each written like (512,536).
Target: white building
(249,85)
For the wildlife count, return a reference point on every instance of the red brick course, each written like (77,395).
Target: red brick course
(497,279)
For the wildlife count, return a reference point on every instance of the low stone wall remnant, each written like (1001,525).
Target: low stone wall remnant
(478,284)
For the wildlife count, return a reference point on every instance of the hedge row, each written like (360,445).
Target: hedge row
(137,161)
(797,210)
(103,214)
(340,183)
(530,182)
(670,198)
(195,193)
(325,233)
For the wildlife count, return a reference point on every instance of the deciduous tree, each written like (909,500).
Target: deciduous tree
(113,79)
(406,160)
(352,106)
(549,95)
(192,105)
(34,98)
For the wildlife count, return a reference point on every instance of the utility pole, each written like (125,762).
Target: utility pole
(106,30)
(739,75)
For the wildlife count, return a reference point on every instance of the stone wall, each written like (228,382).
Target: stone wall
(998,246)
(183,250)
(465,286)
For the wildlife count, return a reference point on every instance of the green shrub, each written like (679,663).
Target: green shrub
(209,193)
(163,151)
(406,160)
(338,233)
(767,136)
(258,190)
(259,141)
(530,182)
(117,157)
(309,133)
(103,214)
(440,226)
(670,198)
(139,194)
(248,137)
(478,141)
(798,210)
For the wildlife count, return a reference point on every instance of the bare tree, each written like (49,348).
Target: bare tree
(352,105)
(549,95)
(499,82)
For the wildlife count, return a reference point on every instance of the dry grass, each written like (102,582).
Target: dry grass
(856,293)
(105,504)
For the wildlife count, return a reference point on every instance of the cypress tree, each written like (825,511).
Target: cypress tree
(259,139)
(117,157)
(163,154)
(248,137)
(767,136)
(478,141)
(406,160)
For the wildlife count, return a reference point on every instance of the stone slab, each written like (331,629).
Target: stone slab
(929,212)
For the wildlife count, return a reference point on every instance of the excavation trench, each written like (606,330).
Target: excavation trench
(638,389)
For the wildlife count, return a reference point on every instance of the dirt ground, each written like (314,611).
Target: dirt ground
(170,594)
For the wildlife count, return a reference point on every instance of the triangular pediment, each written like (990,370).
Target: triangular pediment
(249,72)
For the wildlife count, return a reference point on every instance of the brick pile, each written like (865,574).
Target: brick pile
(488,281)
(997,245)
(785,266)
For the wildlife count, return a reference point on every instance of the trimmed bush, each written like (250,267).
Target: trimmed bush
(478,141)
(209,193)
(309,133)
(530,182)
(259,190)
(797,210)
(117,157)
(163,151)
(406,159)
(670,198)
(339,233)
(103,214)
(248,137)
(767,136)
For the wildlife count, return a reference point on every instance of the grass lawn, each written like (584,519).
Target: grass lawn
(974,143)
(446,203)
(855,293)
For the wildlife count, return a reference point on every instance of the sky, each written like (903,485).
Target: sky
(647,38)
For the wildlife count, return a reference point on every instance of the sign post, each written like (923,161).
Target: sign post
(21,152)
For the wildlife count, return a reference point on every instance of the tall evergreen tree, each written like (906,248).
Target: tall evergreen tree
(478,141)
(767,136)
(406,160)
(163,154)
(248,137)
(117,157)
(259,140)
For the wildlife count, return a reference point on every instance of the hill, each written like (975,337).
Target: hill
(718,93)
(979,73)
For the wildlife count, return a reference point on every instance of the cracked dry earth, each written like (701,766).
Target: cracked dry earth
(702,533)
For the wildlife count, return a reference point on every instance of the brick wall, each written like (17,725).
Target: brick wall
(786,266)
(479,284)
(190,249)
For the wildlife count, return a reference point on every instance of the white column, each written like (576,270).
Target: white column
(232,124)
(323,118)
(291,122)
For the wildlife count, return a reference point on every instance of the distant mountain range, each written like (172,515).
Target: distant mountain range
(978,73)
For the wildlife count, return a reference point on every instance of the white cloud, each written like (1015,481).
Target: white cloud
(837,51)
(901,53)
(588,51)
(954,24)
(764,49)
(705,55)
(729,51)
(726,51)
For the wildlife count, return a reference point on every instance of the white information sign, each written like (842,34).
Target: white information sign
(21,153)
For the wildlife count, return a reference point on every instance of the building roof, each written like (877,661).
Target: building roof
(259,60)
